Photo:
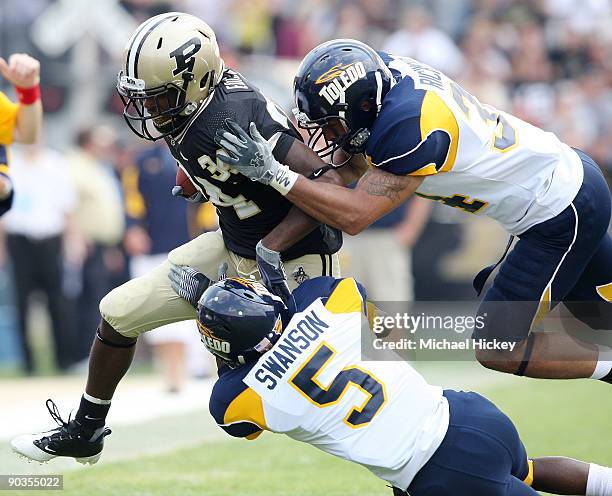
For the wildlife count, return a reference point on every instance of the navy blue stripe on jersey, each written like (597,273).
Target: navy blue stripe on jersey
(396,144)
(6,204)
(397,129)
(3,155)
(229,386)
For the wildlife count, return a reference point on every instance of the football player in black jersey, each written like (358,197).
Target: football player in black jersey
(175,87)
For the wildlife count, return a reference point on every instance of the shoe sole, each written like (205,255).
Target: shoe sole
(87,460)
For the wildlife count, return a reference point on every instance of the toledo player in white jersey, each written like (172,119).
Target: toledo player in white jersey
(299,371)
(422,133)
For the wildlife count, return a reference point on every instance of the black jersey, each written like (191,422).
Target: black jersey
(247,210)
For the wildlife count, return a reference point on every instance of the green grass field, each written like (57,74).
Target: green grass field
(554,418)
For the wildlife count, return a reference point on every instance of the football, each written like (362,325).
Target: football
(187,188)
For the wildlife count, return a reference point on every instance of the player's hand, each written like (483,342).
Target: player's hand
(188,283)
(249,155)
(197,197)
(272,272)
(21,70)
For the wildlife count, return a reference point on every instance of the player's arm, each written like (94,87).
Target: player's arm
(24,72)
(297,223)
(376,194)
(352,210)
(232,407)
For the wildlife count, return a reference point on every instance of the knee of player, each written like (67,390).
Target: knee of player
(501,360)
(115,308)
(108,333)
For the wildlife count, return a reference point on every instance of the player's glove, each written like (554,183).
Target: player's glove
(252,156)
(272,272)
(197,197)
(188,283)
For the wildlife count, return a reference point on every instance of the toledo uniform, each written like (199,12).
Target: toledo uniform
(247,212)
(8,115)
(313,386)
(487,162)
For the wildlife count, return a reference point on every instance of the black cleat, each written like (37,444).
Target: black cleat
(70,439)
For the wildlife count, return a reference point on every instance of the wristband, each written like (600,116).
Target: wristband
(284,179)
(28,96)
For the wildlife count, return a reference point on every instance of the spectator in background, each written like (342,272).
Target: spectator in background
(251,25)
(419,39)
(18,122)
(148,239)
(40,231)
(100,217)
(487,68)
(380,257)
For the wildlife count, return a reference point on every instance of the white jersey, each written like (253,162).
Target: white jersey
(314,387)
(475,157)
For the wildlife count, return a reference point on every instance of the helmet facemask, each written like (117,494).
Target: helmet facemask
(334,133)
(157,112)
(338,89)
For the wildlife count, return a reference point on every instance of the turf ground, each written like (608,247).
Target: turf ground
(569,418)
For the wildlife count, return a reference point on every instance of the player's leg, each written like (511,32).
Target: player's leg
(517,487)
(481,453)
(542,270)
(310,266)
(297,270)
(136,307)
(513,305)
(590,301)
(560,475)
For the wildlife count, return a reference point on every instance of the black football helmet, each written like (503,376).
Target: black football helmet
(340,83)
(239,319)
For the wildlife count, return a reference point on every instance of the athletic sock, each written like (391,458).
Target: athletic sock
(92,412)
(599,482)
(603,369)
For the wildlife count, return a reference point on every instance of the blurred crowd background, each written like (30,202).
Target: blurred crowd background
(100,199)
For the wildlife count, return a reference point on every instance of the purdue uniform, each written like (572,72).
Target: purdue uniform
(185,65)
(247,209)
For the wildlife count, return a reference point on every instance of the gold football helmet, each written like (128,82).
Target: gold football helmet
(170,67)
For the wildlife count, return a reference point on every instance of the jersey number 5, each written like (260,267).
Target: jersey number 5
(305,381)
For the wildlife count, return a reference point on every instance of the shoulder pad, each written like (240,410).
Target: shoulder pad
(233,82)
